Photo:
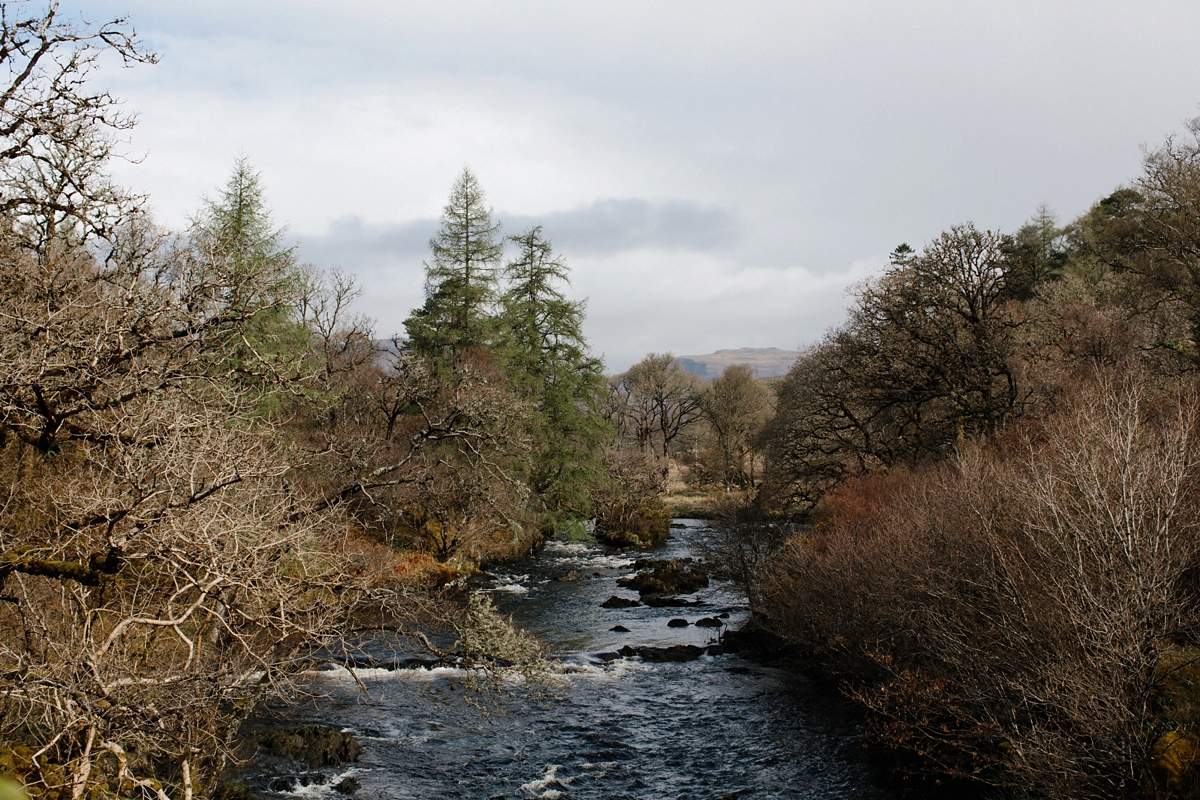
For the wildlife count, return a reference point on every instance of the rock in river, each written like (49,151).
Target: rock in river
(315,745)
(708,622)
(619,629)
(677,623)
(678,652)
(657,576)
(619,602)
(572,575)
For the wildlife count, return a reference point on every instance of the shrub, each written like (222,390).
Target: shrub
(1008,613)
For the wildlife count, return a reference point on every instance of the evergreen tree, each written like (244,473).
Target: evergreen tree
(548,362)
(460,278)
(235,235)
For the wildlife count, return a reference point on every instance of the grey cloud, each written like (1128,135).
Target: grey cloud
(601,228)
(358,245)
(611,226)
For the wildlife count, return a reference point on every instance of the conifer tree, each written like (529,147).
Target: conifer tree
(235,233)
(460,278)
(548,362)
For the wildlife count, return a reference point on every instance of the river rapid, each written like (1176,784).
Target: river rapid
(717,727)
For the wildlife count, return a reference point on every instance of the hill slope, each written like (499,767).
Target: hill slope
(767,362)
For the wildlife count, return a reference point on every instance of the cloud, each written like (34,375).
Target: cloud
(355,244)
(656,301)
(605,227)
(612,226)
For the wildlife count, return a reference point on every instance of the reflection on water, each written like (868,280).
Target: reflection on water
(718,727)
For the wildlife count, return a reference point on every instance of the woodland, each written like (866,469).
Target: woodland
(972,506)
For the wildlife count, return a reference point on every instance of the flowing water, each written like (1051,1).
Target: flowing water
(717,727)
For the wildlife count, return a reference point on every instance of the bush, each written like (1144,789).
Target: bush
(1008,613)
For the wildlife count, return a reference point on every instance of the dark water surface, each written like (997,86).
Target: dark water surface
(719,727)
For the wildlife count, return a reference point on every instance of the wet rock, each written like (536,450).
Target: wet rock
(665,577)
(606,657)
(675,653)
(627,652)
(723,615)
(619,629)
(314,745)
(715,650)
(678,622)
(619,602)
(708,622)
(347,785)
(572,575)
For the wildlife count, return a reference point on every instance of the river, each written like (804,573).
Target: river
(716,727)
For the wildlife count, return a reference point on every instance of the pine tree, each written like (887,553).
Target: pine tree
(548,362)
(460,278)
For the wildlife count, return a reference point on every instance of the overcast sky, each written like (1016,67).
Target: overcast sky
(716,173)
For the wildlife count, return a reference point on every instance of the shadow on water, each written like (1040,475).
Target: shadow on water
(716,727)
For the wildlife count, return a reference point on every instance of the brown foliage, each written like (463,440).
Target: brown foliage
(1011,609)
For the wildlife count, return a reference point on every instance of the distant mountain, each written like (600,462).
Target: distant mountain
(767,362)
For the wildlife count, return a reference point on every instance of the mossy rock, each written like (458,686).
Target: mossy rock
(314,745)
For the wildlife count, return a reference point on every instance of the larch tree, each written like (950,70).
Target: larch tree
(549,363)
(460,278)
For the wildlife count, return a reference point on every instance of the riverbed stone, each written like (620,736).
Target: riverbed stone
(665,577)
(571,575)
(347,785)
(674,653)
(619,602)
(619,629)
(708,622)
(314,745)
(678,622)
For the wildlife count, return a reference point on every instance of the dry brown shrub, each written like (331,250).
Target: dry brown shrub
(1009,610)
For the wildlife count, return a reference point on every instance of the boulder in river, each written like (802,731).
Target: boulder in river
(572,575)
(619,629)
(678,622)
(676,653)
(659,576)
(314,745)
(619,602)
(708,622)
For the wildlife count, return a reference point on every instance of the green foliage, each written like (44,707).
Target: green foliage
(235,230)
(460,278)
(548,362)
